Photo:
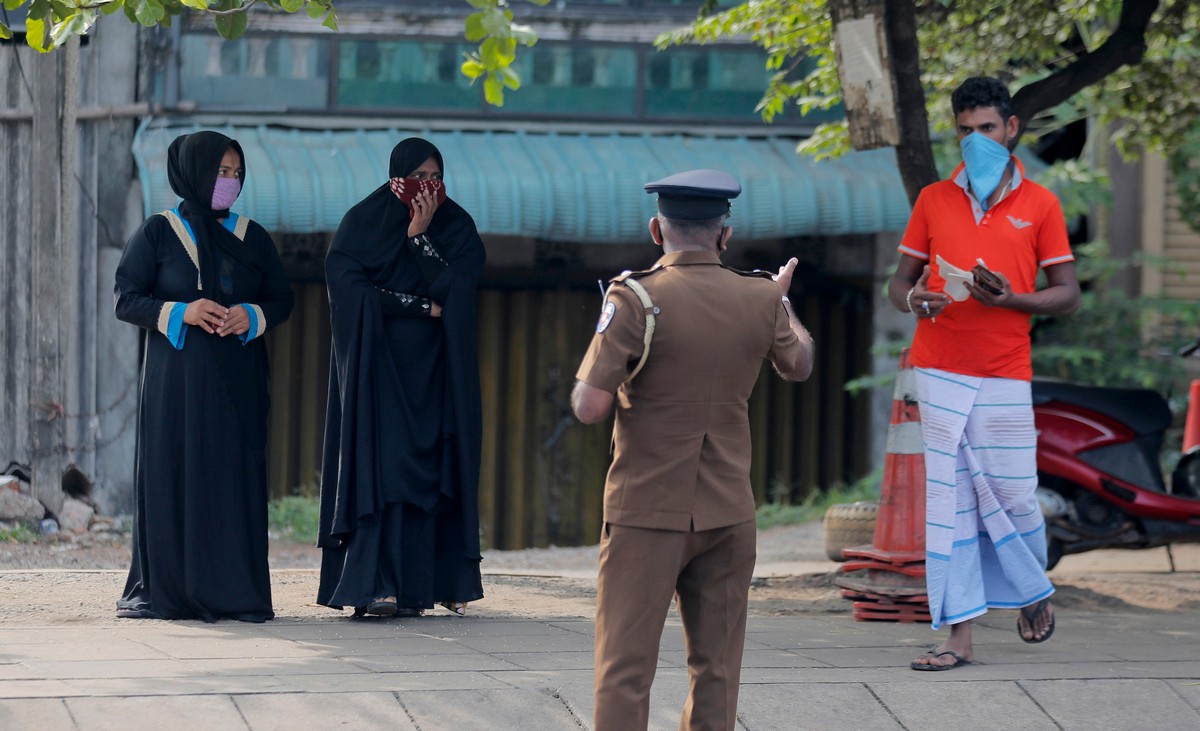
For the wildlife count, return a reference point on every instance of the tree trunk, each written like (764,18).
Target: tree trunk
(914,154)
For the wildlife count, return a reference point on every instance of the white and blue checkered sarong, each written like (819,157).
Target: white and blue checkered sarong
(985,538)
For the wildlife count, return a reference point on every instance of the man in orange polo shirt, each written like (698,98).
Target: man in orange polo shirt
(985,535)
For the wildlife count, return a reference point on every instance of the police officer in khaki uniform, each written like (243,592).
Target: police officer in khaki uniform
(678,508)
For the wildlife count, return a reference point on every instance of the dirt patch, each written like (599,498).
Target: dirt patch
(52,582)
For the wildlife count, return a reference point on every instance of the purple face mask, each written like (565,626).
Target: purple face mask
(225,193)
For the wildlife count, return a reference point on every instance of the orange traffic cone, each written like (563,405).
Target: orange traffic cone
(886,580)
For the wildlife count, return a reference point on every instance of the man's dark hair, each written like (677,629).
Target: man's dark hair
(691,232)
(982,91)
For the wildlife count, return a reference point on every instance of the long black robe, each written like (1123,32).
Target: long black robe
(200,531)
(400,475)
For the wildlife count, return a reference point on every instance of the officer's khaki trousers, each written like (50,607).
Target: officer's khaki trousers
(640,569)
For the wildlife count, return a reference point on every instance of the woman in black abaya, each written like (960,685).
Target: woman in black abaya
(204,284)
(399,482)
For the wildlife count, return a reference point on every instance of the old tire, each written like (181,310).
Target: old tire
(848,525)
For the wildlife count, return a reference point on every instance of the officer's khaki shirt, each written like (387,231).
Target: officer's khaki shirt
(681,457)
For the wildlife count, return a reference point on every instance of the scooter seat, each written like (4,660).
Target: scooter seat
(1142,410)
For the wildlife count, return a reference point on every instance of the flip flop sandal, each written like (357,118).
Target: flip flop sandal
(959,661)
(459,608)
(1032,612)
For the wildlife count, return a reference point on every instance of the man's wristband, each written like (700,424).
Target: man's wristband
(908,301)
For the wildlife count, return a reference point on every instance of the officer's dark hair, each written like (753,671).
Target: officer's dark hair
(683,231)
(982,91)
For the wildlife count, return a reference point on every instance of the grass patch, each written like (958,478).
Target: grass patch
(19,533)
(813,508)
(295,518)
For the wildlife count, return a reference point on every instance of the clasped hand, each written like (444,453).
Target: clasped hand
(217,319)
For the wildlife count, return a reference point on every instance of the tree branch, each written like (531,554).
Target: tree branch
(232,11)
(1125,47)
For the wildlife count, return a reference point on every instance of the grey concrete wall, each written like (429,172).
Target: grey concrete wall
(16,76)
(95,355)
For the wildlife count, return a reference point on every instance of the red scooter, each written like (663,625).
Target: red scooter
(1099,480)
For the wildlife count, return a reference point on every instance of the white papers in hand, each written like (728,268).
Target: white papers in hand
(955,279)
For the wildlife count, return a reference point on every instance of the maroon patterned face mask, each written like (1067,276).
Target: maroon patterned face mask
(408,188)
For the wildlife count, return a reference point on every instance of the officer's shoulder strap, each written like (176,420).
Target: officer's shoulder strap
(630,280)
(759,273)
(631,274)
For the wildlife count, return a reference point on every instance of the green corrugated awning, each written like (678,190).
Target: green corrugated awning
(583,187)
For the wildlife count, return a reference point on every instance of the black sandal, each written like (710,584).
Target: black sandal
(1031,613)
(382,607)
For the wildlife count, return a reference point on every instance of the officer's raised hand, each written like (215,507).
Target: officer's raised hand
(784,277)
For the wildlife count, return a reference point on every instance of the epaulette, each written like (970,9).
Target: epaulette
(632,274)
(752,273)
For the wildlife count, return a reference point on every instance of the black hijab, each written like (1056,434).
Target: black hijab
(192,164)
(369,251)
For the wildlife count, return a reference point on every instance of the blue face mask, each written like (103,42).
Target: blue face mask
(986,160)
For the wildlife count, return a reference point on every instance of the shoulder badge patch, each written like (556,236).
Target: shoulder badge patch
(606,316)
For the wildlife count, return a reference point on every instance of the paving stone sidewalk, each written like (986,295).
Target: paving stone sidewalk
(1100,671)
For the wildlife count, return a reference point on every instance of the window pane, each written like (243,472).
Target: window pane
(255,72)
(588,81)
(403,75)
(705,83)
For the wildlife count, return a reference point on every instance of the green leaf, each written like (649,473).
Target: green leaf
(5,33)
(540,2)
(523,34)
(36,35)
(112,7)
(498,52)
(330,21)
(291,6)
(495,22)
(196,4)
(314,10)
(473,69)
(13,4)
(149,13)
(76,24)
(510,78)
(493,90)
(474,27)
(231,26)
